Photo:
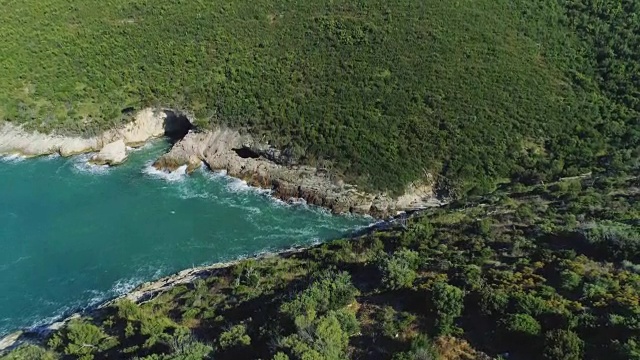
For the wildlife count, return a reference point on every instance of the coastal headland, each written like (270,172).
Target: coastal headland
(221,149)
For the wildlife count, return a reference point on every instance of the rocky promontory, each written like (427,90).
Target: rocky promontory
(242,157)
(224,149)
(147,124)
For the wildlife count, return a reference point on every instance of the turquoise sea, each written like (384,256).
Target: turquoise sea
(73,235)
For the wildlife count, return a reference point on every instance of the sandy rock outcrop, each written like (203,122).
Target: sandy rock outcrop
(14,139)
(111,154)
(10,340)
(222,149)
(146,125)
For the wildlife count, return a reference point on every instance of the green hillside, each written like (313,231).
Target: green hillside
(380,91)
(543,272)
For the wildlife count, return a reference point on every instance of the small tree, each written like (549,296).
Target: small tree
(399,271)
(493,302)
(392,323)
(235,336)
(280,356)
(569,280)
(628,350)
(562,344)
(522,324)
(448,303)
(421,349)
(82,339)
(30,352)
(185,347)
(330,292)
(317,338)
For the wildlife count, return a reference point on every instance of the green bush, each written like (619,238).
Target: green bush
(348,321)
(392,322)
(528,303)
(82,339)
(30,352)
(321,339)
(569,280)
(421,349)
(399,270)
(280,356)
(448,304)
(562,344)
(629,350)
(614,241)
(235,336)
(493,302)
(522,324)
(331,291)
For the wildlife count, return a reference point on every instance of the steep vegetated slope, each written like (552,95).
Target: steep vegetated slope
(540,272)
(380,91)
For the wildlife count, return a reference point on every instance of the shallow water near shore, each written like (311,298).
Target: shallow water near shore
(74,235)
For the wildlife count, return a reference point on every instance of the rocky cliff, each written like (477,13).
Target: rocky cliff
(221,149)
(147,124)
(240,156)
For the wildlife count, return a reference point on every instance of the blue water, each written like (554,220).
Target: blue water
(73,235)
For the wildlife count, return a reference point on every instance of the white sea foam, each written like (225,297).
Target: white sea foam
(51,156)
(95,297)
(297,202)
(147,145)
(81,164)
(12,158)
(240,186)
(174,176)
(124,286)
(213,175)
(188,191)
(42,323)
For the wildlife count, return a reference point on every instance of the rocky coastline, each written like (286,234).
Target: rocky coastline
(262,166)
(225,149)
(142,293)
(146,125)
(149,290)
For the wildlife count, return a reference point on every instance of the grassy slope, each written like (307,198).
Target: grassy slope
(540,272)
(471,90)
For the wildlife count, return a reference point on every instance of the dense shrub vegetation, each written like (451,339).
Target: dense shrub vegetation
(510,273)
(381,91)
(528,110)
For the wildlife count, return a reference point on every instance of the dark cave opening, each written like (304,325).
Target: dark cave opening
(246,153)
(176,126)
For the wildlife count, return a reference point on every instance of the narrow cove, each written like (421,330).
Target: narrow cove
(74,235)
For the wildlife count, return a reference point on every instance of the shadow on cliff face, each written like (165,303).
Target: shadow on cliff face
(176,126)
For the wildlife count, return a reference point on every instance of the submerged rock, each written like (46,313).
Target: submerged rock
(111,154)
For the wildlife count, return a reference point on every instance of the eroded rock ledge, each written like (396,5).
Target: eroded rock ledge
(242,157)
(221,149)
(147,124)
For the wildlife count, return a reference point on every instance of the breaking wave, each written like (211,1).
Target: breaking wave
(177,175)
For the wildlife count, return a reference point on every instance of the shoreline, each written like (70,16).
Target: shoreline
(147,124)
(241,156)
(267,171)
(142,293)
(149,290)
